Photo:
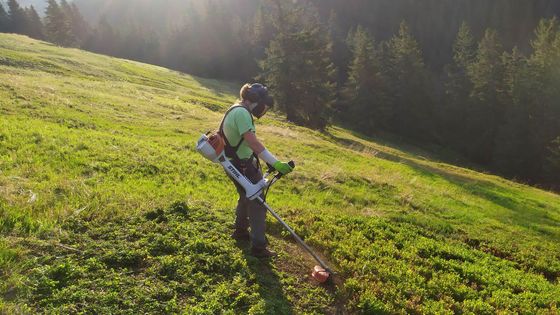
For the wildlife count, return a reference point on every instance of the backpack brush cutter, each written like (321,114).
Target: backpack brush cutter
(211,146)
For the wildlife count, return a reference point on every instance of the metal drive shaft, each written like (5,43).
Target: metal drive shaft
(298,239)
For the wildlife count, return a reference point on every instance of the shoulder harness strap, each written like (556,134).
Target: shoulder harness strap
(231,151)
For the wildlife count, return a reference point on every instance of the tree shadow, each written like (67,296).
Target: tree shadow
(219,88)
(428,151)
(523,210)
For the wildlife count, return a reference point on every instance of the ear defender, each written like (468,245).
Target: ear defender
(258,95)
(255,92)
(253,96)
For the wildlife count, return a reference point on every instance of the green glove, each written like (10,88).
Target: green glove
(283,168)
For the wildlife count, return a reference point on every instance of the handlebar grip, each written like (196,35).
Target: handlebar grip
(271,168)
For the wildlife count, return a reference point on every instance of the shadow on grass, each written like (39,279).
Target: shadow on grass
(523,211)
(426,151)
(219,88)
(270,285)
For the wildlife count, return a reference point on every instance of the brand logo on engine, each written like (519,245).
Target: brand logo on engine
(234,171)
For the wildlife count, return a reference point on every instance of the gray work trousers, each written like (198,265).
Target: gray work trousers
(250,213)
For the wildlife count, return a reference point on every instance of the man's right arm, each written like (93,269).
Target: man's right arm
(251,138)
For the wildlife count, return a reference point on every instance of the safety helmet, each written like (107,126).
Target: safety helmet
(258,94)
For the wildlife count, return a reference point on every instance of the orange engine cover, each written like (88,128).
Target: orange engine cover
(217,142)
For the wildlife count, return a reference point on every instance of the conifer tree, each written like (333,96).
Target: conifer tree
(34,27)
(408,87)
(104,39)
(78,24)
(486,112)
(17,18)
(458,88)
(56,25)
(513,145)
(262,30)
(544,65)
(363,93)
(4,19)
(485,72)
(340,53)
(178,51)
(139,43)
(552,166)
(464,48)
(66,11)
(298,68)
(174,50)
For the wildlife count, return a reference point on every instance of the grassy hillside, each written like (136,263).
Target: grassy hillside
(105,207)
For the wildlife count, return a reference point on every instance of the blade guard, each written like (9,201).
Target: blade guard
(212,148)
(320,274)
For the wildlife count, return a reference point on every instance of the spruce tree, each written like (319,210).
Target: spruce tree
(363,94)
(34,25)
(552,165)
(298,68)
(486,111)
(140,43)
(464,48)
(457,89)
(544,65)
(179,50)
(262,28)
(341,55)
(57,25)
(485,72)
(17,18)
(66,10)
(78,25)
(513,150)
(411,112)
(4,19)
(262,32)
(104,39)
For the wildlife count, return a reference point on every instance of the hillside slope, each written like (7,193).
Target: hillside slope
(105,207)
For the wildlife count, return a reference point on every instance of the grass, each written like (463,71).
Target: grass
(172,260)
(105,207)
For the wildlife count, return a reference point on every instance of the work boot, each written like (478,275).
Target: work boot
(241,235)
(263,253)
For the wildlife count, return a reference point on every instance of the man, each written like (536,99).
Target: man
(242,148)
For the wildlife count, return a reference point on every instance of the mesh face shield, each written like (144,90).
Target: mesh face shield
(264,104)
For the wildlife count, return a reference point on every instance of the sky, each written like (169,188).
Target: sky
(39,5)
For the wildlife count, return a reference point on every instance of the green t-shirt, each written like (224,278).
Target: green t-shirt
(237,123)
